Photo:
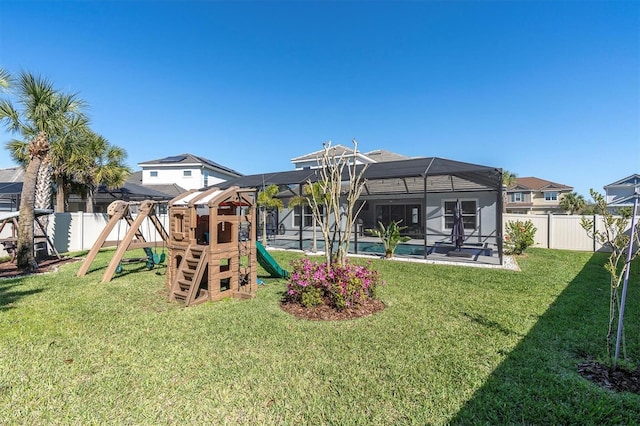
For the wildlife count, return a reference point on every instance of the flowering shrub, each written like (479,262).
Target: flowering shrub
(519,236)
(340,286)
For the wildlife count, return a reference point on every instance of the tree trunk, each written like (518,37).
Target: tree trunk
(89,200)
(43,194)
(25,257)
(264,226)
(60,195)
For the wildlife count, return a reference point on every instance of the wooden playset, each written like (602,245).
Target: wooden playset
(212,245)
(119,211)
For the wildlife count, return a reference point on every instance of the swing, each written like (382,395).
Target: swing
(154,257)
(149,259)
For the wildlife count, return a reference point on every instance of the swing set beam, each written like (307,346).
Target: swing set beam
(119,210)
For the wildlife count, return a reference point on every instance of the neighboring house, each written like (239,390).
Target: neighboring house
(159,180)
(10,196)
(621,193)
(170,189)
(103,197)
(532,195)
(186,171)
(10,188)
(312,160)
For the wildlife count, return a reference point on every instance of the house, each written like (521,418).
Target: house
(421,192)
(312,159)
(158,180)
(532,195)
(620,194)
(187,171)
(10,188)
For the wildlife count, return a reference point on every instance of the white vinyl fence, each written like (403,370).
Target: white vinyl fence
(71,232)
(561,231)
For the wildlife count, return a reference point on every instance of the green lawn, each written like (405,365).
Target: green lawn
(454,345)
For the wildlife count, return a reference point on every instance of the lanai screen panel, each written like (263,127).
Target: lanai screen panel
(395,177)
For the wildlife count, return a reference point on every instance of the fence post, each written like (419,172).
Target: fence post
(595,227)
(549,231)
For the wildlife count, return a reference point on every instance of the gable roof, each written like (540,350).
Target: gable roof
(537,184)
(632,180)
(380,155)
(375,156)
(338,150)
(188,159)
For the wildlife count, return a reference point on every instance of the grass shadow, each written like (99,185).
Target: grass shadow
(9,295)
(538,383)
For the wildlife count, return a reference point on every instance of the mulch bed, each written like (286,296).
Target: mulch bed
(326,313)
(619,380)
(52,263)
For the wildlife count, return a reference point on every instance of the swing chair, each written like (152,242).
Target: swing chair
(154,257)
(149,259)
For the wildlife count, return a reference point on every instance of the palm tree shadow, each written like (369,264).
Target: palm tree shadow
(538,382)
(9,296)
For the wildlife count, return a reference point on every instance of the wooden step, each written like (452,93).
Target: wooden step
(180,295)
(185,284)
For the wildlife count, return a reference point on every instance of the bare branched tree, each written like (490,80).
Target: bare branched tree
(613,236)
(337,222)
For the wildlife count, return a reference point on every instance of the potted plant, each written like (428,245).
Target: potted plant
(390,236)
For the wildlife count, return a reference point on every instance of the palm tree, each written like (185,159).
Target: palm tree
(99,163)
(38,149)
(5,79)
(508,180)
(573,202)
(45,115)
(58,115)
(267,200)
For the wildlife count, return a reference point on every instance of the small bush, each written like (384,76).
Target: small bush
(519,236)
(339,286)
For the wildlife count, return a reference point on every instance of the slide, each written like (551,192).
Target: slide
(268,263)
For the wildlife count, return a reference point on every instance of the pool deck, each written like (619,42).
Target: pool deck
(449,257)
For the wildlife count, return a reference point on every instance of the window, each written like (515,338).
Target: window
(153,173)
(409,214)
(307,215)
(469,214)
(186,173)
(206,177)
(517,197)
(551,196)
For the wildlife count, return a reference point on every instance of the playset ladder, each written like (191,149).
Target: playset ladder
(189,276)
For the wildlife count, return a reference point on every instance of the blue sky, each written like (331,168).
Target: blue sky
(540,88)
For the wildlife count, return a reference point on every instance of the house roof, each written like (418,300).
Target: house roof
(374,156)
(131,191)
(537,184)
(380,155)
(170,189)
(632,180)
(338,150)
(395,176)
(623,201)
(10,188)
(12,174)
(184,159)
